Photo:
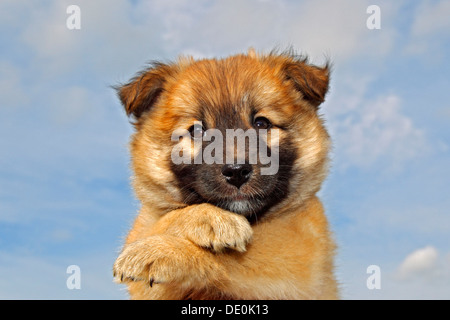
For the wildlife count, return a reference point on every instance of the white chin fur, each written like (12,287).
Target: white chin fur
(242,206)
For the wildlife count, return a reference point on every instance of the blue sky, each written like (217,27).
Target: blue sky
(65,196)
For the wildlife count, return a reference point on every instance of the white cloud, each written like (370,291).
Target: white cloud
(423,274)
(125,35)
(339,29)
(112,37)
(221,27)
(370,130)
(419,263)
(334,28)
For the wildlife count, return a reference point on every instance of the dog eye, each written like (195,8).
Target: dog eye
(261,123)
(197,131)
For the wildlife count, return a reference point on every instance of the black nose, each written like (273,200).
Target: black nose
(237,174)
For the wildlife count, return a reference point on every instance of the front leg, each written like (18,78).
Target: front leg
(181,247)
(207,226)
(165,259)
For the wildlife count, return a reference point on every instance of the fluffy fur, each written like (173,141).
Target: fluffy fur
(186,243)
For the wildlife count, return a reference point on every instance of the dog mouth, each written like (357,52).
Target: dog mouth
(240,202)
(251,198)
(240,197)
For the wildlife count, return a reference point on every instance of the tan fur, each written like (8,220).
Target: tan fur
(200,251)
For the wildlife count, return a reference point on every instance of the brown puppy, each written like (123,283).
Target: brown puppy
(220,229)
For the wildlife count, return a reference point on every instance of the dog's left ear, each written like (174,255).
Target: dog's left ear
(311,81)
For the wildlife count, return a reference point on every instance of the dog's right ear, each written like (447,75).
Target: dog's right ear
(142,92)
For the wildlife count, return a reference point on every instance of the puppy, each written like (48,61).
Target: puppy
(214,224)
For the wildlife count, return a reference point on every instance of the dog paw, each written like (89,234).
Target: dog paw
(157,259)
(217,229)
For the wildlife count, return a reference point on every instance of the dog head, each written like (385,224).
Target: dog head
(190,116)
